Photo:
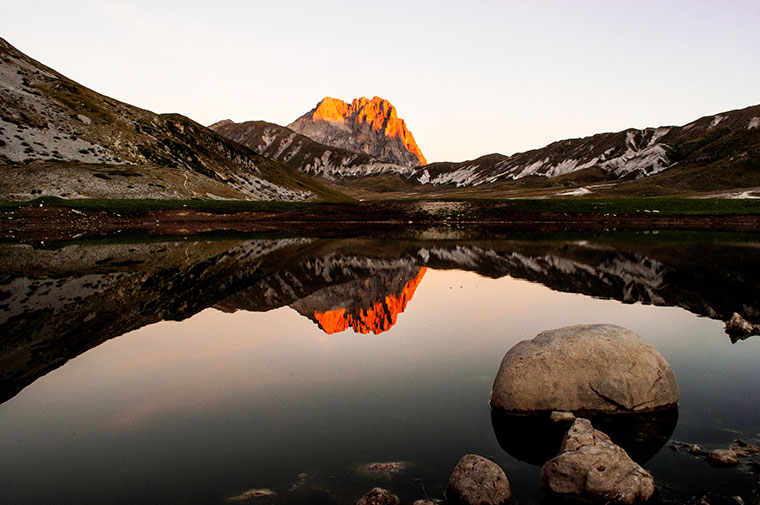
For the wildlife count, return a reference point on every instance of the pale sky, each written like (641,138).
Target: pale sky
(469,77)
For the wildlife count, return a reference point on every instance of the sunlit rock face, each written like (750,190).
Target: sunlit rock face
(364,125)
(374,308)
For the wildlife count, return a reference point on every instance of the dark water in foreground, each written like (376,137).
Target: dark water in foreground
(297,362)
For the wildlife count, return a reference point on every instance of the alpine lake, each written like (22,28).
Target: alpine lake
(190,370)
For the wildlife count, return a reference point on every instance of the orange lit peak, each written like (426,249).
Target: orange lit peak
(330,109)
(378,112)
(380,317)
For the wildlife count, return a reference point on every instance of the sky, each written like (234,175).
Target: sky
(469,77)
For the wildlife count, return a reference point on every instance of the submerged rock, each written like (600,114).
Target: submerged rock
(258,496)
(722,457)
(382,469)
(590,468)
(561,417)
(378,496)
(477,481)
(535,439)
(586,369)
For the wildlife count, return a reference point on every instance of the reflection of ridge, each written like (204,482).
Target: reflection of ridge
(57,304)
(377,318)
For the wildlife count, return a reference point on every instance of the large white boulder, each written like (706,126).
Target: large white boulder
(587,369)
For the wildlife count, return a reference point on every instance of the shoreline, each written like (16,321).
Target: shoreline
(57,222)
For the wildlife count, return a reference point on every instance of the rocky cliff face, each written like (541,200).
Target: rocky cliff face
(368,126)
(302,153)
(58,138)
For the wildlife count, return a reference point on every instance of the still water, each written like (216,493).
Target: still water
(189,371)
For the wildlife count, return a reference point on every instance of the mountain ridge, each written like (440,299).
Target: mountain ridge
(729,138)
(59,138)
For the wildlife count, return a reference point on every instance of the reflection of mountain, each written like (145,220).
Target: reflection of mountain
(56,304)
(337,292)
(374,306)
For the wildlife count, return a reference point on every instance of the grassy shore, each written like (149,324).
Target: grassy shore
(461,208)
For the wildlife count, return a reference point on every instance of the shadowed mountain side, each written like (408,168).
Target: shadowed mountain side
(56,304)
(301,153)
(59,138)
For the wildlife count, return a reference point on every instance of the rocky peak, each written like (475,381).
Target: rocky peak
(367,125)
(329,109)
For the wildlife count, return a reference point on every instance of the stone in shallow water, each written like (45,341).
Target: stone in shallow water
(585,369)
(558,416)
(378,496)
(258,496)
(535,439)
(477,481)
(590,468)
(722,457)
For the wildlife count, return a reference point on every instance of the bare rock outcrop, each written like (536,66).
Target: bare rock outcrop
(477,481)
(590,369)
(591,468)
(368,126)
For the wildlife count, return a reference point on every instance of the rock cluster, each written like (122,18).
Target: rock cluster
(590,468)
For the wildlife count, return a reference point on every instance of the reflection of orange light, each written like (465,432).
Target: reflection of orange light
(377,318)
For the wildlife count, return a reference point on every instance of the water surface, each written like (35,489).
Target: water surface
(190,371)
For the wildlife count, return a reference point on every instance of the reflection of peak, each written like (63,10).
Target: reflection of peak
(374,317)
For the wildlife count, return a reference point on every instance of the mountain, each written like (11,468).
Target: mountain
(60,138)
(369,126)
(713,152)
(301,153)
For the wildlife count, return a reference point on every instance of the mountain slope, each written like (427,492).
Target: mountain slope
(369,126)
(729,140)
(52,122)
(300,152)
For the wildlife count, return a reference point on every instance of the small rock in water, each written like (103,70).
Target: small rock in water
(722,457)
(382,469)
(558,416)
(696,450)
(744,449)
(427,501)
(378,496)
(590,468)
(253,496)
(477,481)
